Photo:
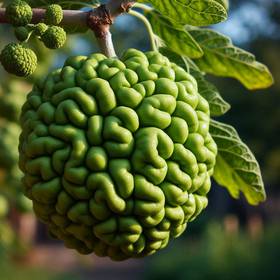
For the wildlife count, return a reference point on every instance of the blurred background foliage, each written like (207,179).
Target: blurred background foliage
(219,255)
(231,240)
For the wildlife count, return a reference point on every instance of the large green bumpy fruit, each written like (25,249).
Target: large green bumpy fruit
(116,154)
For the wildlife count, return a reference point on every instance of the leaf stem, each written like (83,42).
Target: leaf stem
(142,7)
(148,27)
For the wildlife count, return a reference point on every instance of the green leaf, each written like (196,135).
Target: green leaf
(176,38)
(221,58)
(218,106)
(175,58)
(236,167)
(193,12)
(225,3)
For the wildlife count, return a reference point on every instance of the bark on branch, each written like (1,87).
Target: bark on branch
(70,17)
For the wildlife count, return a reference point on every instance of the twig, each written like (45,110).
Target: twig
(100,20)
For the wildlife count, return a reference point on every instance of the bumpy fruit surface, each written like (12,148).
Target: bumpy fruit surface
(19,13)
(53,15)
(116,153)
(18,59)
(40,28)
(54,37)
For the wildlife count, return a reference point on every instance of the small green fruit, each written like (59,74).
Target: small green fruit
(40,29)
(18,59)
(53,15)
(54,37)
(22,33)
(19,13)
